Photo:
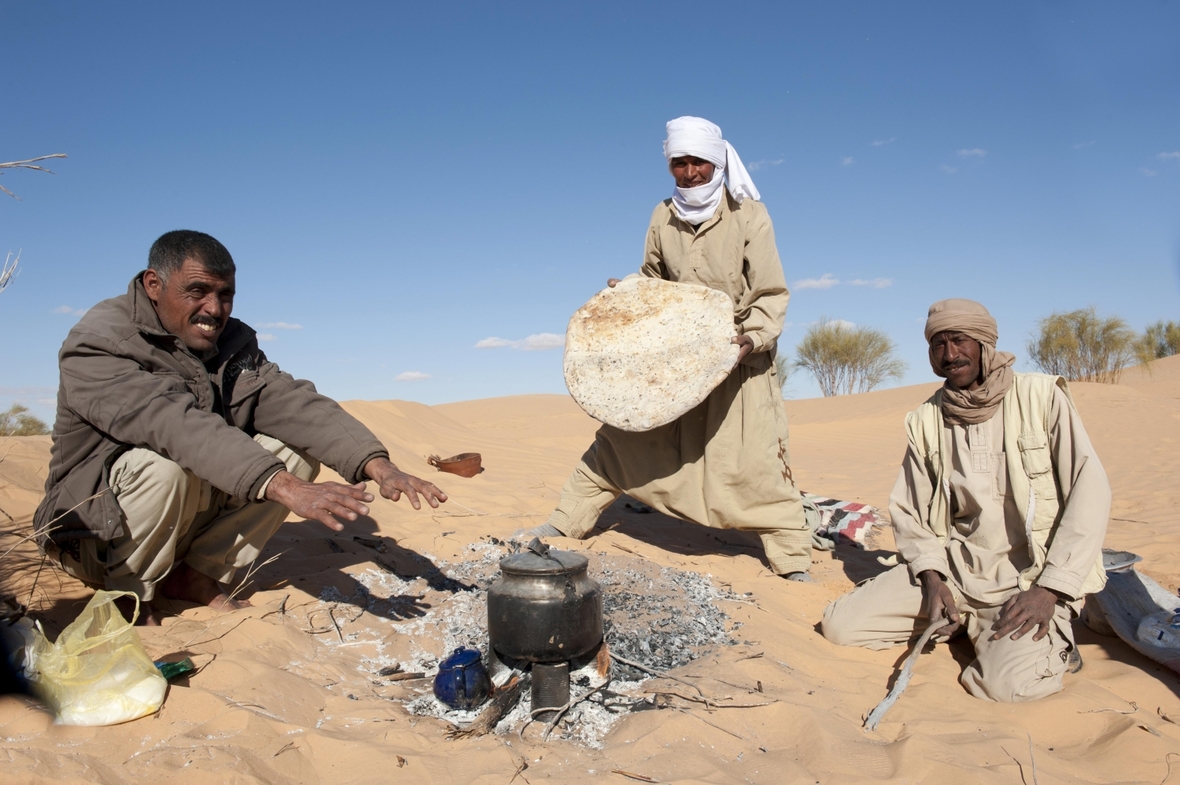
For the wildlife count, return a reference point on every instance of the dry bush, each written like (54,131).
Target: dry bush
(848,359)
(783,366)
(17,422)
(1161,339)
(1084,347)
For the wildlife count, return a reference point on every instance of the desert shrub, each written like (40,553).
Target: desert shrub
(1083,347)
(1161,339)
(848,359)
(17,422)
(783,365)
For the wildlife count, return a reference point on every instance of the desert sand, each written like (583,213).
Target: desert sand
(286,692)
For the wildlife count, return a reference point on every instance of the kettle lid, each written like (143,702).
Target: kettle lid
(555,562)
(460,658)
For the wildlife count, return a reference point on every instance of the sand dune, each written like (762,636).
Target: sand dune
(284,697)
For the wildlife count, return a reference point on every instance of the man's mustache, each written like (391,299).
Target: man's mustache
(203,319)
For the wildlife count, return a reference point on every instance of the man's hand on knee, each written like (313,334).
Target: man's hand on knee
(940,601)
(1024,611)
(394,482)
(325,502)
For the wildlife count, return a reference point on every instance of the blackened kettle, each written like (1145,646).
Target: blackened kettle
(544,607)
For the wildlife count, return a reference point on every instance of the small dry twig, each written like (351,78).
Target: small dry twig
(654,672)
(1032,758)
(561,710)
(1168,761)
(1160,711)
(524,764)
(1134,707)
(711,724)
(633,776)
(711,703)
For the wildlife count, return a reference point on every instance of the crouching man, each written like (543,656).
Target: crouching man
(178,448)
(999,513)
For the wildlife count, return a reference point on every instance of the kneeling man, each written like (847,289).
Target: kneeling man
(178,448)
(999,513)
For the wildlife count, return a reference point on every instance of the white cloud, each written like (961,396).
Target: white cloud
(825,281)
(411,376)
(534,343)
(874,283)
(281,326)
(947,169)
(883,142)
(74,311)
(974,152)
(1083,145)
(846,161)
(1173,156)
(266,337)
(756,165)
(1148,172)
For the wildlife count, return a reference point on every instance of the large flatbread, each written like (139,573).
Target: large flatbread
(645,352)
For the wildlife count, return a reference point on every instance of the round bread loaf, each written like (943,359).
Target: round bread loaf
(645,352)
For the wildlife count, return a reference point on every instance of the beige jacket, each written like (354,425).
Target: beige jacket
(733,252)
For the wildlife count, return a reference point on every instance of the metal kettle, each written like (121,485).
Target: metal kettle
(544,607)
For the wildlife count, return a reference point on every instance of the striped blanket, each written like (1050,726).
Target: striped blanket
(835,521)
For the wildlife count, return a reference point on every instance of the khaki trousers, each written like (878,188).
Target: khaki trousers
(172,514)
(725,464)
(888,611)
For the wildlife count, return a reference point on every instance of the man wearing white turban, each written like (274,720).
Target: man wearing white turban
(999,512)
(725,463)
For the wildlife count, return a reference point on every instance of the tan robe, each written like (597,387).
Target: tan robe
(984,554)
(724,464)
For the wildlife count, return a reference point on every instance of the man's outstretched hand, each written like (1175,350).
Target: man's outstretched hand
(326,502)
(940,601)
(1025,611)
(331,502)
(394,482)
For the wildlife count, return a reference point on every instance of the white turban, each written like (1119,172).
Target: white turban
(699,138)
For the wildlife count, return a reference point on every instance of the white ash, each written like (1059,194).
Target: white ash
(659,616)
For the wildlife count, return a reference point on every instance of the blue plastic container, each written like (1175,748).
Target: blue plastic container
(462,681)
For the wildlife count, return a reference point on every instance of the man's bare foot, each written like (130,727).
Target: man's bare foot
(147,614)
(186,584)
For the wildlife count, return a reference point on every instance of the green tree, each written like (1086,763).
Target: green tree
(17,422)
(848,359)
(1083,347)
(1161,339)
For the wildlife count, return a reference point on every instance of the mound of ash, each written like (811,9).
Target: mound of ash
(661,617)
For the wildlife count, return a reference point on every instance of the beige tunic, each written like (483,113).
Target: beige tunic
(988,546)
(986,549)
(725,463)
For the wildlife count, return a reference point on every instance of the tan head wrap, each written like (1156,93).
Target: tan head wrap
(965,407)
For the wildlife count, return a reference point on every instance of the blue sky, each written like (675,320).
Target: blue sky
(402,182)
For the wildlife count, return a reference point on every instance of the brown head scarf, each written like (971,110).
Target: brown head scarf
(967,407)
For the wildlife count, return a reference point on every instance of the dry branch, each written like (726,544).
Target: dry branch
(28,163)
(906,672)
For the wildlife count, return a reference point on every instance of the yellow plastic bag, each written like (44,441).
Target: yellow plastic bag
(98,672)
